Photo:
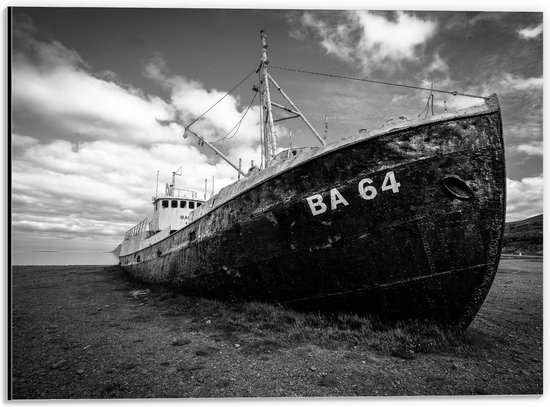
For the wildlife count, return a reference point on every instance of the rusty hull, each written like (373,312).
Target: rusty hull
(428,251)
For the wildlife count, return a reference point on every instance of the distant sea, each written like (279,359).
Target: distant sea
(58,258)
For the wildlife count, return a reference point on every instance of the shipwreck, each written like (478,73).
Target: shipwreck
(405,221)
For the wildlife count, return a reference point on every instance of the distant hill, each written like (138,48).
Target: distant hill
(524,236)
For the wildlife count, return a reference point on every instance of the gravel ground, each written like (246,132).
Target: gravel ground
(89,332)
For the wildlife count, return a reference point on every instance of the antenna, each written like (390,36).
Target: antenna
(157,190)
(170,187)
(174,173)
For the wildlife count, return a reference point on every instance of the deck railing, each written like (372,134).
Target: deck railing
(184,193)
(140,227)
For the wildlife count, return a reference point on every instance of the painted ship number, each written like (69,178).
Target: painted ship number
(366,190)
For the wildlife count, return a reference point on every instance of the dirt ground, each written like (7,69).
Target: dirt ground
(89,332)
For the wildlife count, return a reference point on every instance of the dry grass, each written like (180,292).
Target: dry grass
(288,328)
(83,332)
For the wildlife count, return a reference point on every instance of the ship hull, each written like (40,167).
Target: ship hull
(405,224)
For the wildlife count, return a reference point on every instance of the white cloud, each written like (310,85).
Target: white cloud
(524,198)
(393,40)
(58,189)
(509,83)
(19,141)
(438,65)
(190,99)
(530,32)
(85,105)
(96,178)
(370,39)
(534,148)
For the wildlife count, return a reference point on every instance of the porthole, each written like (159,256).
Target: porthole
(457,187)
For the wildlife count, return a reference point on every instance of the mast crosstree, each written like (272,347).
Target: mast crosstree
(269,134)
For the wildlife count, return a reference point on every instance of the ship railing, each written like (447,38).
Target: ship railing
(184,193)
(136,230)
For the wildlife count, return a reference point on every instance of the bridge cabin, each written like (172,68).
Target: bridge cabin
(173,211)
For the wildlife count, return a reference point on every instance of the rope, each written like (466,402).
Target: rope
(223,97)
(454,92)
(238,125)
(427,108)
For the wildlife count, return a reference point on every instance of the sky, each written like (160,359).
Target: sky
(100,98)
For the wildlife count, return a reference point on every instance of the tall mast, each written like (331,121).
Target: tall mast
(269,136)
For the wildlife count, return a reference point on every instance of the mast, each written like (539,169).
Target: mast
(269,136)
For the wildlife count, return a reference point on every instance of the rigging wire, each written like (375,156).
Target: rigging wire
(454,92)
(427,108)
(223,97)
(238,125)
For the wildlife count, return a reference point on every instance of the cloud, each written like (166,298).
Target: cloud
(530,32)
(509,83)
(19,141)
(373,40)
(57,189)
(528,129)
(393,40)
(92,175)
(524,198)
(59,87)
(534,148)
(191,100)
(437,66)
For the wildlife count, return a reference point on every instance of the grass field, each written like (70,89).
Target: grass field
(90,332)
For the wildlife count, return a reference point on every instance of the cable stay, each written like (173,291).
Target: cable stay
(454,92)
(219,100)
(203,141)
(238,125)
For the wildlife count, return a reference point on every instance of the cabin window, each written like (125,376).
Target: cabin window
(182,204)
(191,205)
(174,204)
(165,204)
(199,204)
(192,235)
